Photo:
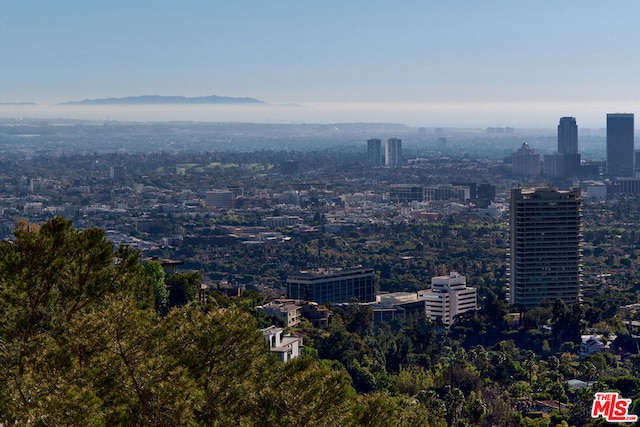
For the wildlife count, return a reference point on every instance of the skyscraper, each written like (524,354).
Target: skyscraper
(568,146)
(393,152)
(620,148)
(374,153)
(546,239)
(567,136)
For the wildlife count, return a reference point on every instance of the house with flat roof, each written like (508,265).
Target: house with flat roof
(291,311)
(284,346)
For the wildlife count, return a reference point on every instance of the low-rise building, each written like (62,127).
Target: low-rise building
(333,285)
(591,344)
(284,347)
(316,314)
(287,310)
(291,311)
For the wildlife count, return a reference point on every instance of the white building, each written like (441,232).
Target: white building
(525,161)
(448,297)
(286,310)
(285,347)
(393,152)
(594,190)
(592,344)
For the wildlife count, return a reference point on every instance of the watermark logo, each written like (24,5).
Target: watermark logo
(612,408)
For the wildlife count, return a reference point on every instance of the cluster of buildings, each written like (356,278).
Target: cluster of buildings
(565,165)
(448,297)
(392,152)
(546,236)
(545,264)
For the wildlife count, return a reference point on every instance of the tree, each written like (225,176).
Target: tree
(567,322)
(184,287)
(155,274)
(306,392)
(454,400)
(529,364)
(81,344)
(50,277)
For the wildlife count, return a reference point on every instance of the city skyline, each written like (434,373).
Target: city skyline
(478,64)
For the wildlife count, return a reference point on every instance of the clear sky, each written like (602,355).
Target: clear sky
(571,57)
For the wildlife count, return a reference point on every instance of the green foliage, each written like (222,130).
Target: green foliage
(86,340)
(383,410)
(155,274)
(81,344)
(184,287)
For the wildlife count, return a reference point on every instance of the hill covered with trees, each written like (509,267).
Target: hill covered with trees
(90,335)
(81,343)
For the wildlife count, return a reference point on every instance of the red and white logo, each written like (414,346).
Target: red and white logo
(612,408)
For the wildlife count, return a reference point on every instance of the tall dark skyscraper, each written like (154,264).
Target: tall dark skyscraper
(374,152)
(620,146)
(568,136)
(568,146)
(546,240)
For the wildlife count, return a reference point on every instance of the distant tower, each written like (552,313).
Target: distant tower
(393,152)
(568,146)
(620,147)
(568,136)
(117,173)
(374,153)
(525,161)
(545,246)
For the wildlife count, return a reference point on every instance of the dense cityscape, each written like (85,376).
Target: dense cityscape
(302,274)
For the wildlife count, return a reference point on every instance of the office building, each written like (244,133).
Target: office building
(393,152)
(219,198)
(525,161)
(448,297)
(620,146)
(567,136)
(374,153)
(545,246)
(456,193)
(333,285)
(568,148)
(486,195)
(554,165)
(402,193)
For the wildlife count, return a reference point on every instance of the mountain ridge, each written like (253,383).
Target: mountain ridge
(159,99)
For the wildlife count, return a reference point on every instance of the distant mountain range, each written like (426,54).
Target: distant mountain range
(156,99)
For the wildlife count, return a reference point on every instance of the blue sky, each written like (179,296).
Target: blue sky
(297,51)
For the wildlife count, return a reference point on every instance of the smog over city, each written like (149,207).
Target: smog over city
(328,214)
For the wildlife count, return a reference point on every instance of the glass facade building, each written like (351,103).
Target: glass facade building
(333,286)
